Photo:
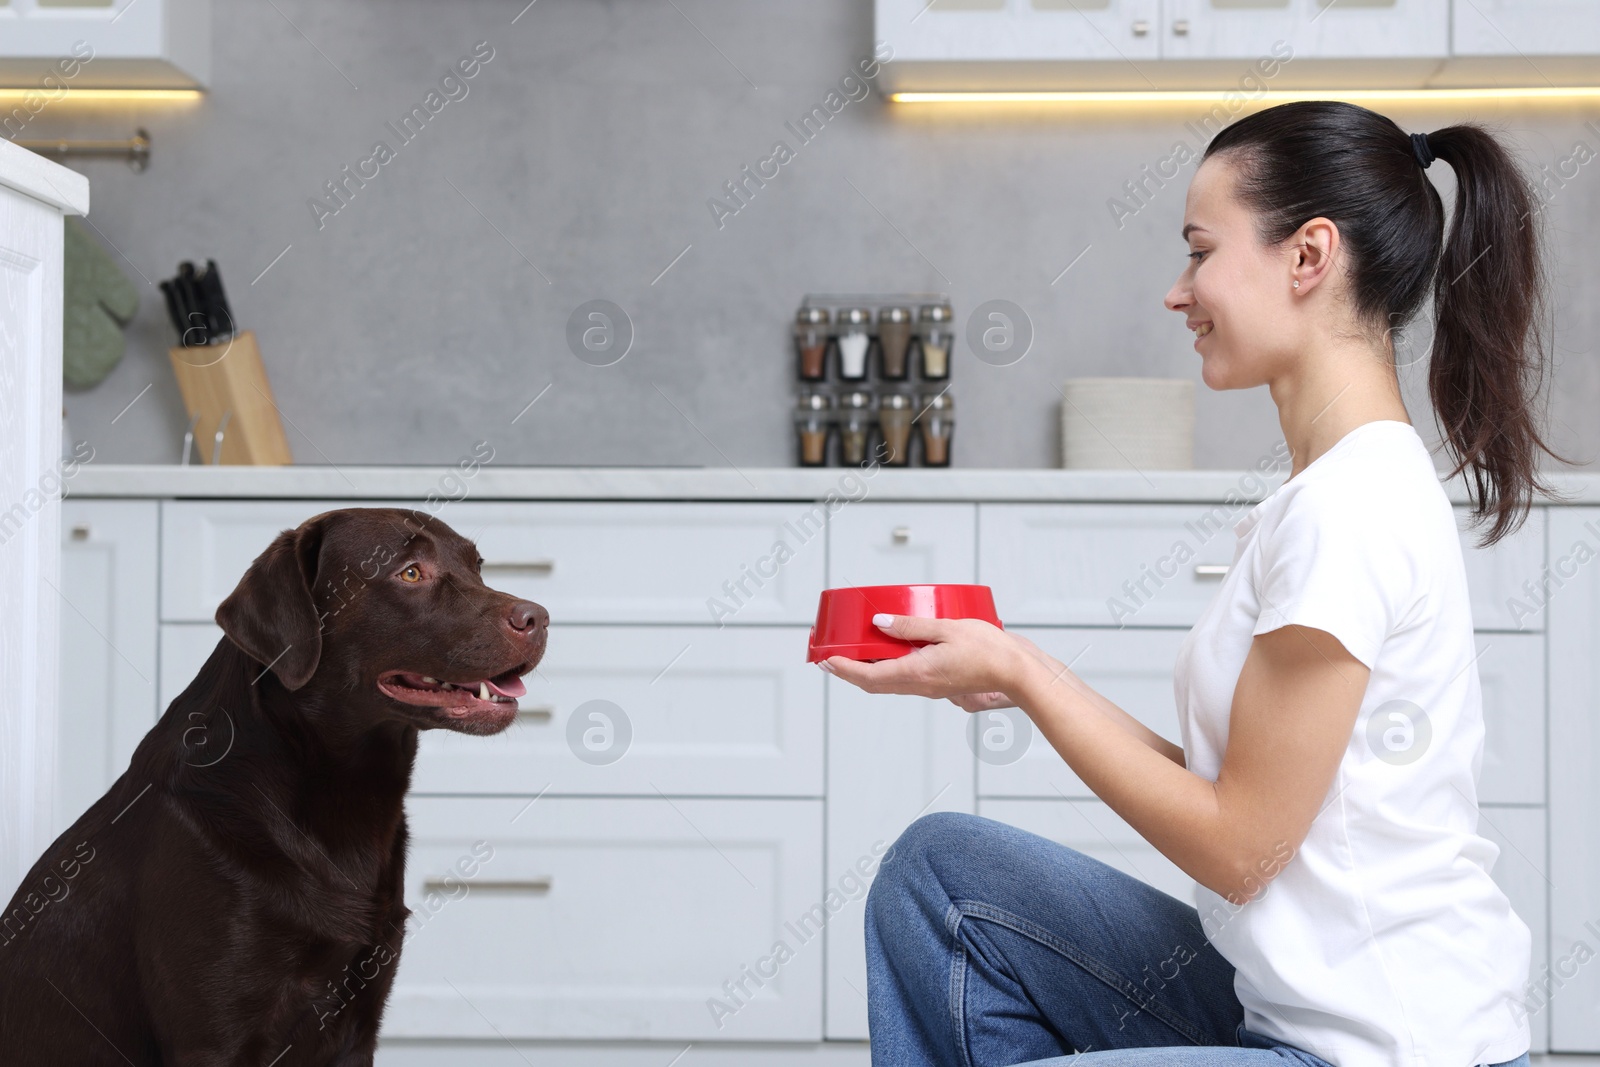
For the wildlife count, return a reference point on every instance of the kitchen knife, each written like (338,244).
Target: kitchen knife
(217,309)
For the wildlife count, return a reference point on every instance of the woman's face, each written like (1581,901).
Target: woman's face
(1236,295)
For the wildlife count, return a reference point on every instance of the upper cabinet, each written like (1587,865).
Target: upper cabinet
(105,44)
(1245,45)
(1526,27)
(1304,29)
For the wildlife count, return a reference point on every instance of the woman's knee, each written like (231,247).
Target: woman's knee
(918,861)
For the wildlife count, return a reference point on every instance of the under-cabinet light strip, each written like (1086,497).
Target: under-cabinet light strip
(1273,96)
(99,96)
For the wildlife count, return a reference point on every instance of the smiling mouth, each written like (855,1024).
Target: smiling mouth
(473,703)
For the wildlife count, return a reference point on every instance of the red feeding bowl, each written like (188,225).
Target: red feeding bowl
(844,616)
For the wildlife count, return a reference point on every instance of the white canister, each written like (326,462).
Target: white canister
(1127,423)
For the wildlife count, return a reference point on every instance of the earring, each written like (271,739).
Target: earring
(1297,283)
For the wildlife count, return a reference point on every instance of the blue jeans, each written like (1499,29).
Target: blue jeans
(988,946)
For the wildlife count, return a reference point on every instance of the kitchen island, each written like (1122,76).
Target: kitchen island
(682,793)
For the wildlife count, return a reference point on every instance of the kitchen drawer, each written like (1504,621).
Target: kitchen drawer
(1157,565)
(1523,873)
(1132,668)
(1511,673)
(1103,564)
(680,710)
(617,918)
(1090,827)
(1495,575)
(599,563)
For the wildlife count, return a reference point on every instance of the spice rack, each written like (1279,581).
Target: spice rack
(873,375)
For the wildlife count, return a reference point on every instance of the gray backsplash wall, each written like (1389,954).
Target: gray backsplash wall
(432,308)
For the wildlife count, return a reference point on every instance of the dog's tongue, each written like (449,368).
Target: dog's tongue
(507,685)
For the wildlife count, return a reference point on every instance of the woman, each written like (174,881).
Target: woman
(1324,797)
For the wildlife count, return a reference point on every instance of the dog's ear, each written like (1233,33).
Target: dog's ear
(271,615)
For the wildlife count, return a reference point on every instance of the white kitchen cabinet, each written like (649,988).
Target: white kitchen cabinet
(676,710)
(1522,871)
(1313,29)
(607,918)
(1104,564)
(715,564)
(1511,675)
(890,758)
(1019,29)
(1525,27)
(128,44)
(643,710)
(34,196)
(1501,579)
(108,644)
(1132,668)
(1574,560)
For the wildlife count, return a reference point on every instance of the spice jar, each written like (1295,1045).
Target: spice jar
(854,337)
(811,342)
(894,420)
(894,341)
(938,420)
(855,427)
(937,334)
(813,420)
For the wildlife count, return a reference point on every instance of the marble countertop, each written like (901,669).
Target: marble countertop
(681,483)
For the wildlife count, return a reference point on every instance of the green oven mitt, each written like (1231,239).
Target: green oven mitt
(98,300)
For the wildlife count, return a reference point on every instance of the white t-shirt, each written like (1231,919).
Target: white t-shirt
(1383,940)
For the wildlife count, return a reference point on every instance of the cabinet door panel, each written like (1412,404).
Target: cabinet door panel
(592,563)
(1574,614)
(1103,564)
(1314,29)
(1018,29)
(890,758)
(1522,872)
(1503,579)
(1132,668)
(1525,27)
(594,918)
(108,646)
(673,710)
(1511,673)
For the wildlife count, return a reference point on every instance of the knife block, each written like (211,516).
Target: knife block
(215,379)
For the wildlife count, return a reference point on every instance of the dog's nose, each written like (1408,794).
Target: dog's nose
(526,617)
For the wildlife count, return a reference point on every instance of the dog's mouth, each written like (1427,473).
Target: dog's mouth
(484,705)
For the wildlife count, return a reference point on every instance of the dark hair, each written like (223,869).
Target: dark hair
(1327,158)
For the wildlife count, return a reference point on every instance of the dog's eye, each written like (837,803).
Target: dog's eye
(412,573)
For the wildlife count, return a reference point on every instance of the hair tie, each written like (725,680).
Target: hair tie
(1420,149)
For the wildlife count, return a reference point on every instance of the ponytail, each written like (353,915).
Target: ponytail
(1488,286)
(1488,360)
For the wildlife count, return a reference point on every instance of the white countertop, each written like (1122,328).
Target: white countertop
(681,483)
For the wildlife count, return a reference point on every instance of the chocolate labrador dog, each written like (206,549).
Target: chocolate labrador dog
(246,873)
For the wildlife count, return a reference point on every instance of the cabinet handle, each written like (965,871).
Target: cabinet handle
(1180,27)
(509,885)
(81,531)
(537,566)
(900,535)
(1141,27)
(1210,570)
(539,713)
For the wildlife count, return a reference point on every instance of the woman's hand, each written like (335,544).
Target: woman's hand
(964,660)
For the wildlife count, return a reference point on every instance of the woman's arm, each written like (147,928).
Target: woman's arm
(1062,675)
(1294,709)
